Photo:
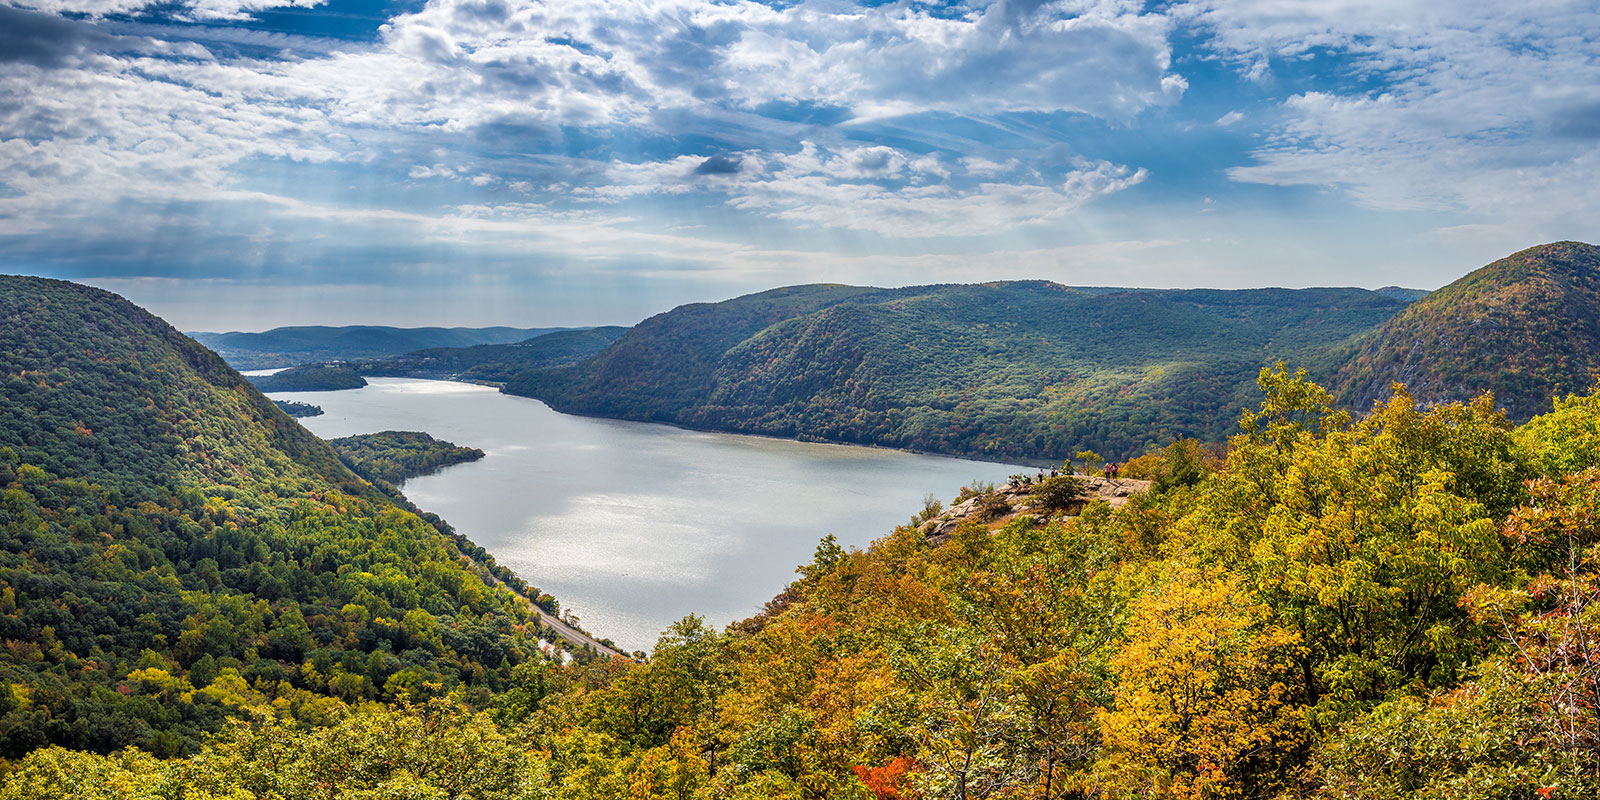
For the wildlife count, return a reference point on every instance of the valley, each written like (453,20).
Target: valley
(633,526)
(1330,593)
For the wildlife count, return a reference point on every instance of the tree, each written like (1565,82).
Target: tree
(1204,703)
(1057,495)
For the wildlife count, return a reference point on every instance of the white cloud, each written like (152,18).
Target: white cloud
(1106,58)
(1483,108)
(157,123)
(874,189)
(981,167)
(1229,118)
(193,10)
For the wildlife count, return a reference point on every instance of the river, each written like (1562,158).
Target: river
(634,525)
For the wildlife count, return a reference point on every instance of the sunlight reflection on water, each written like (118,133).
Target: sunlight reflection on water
(634,525)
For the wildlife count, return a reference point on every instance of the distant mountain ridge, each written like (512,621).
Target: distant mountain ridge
(302,344)
(483,363)
(1034,371)
(1010,370)
(1030,370)
(495,363)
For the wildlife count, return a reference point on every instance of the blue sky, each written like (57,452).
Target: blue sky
(240,164)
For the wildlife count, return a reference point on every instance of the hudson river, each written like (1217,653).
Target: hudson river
(634,525)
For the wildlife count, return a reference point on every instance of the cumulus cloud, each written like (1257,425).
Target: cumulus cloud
(1477,107)
(1106,58)
(183,9)
(45,40)
(486,93)
(874,189)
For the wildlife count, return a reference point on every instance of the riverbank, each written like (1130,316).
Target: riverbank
(635,525)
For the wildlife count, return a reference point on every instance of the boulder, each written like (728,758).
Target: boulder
(1115,492)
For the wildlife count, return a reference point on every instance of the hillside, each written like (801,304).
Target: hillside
(1396,606)
(175,550)
(394,457)
(304,344)
(494,363)
(1022,370)
(1526,327)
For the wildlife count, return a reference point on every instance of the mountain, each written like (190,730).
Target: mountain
(1334,609)
(1394,605)
(1022,370)
(488,363)
(1402,293)
(176,551)
(287,347)
(1526,327)
(495,363)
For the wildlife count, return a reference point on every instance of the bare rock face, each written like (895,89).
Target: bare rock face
(1114,491)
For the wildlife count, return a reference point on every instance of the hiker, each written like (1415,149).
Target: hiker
(1111,470)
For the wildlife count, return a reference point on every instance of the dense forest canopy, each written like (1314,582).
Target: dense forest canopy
(394,456)
(1004,371)
(1526,328)
(310,378)
(1401,604)
(175,551)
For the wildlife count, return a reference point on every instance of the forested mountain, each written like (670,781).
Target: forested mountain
(1402,605)
(175,550)
(304,344)
(494,363)
(1021,370)
(489,363)
(1526,328)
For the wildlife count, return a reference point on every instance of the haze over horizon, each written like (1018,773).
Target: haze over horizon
(246,164)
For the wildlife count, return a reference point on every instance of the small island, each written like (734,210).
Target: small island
(310,378)
(295,409)
(391,457)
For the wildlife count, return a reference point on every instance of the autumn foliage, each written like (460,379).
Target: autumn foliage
(889,781)
(1401,604)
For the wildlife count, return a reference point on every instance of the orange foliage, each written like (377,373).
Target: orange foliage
(890,781)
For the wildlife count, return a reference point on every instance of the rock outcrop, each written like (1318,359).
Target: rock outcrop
(1016,500)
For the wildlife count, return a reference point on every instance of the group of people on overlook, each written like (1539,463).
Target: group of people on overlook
(1110,470)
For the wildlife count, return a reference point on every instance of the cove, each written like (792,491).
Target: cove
(635,525)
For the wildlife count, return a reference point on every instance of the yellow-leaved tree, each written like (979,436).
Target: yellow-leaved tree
(1203,706)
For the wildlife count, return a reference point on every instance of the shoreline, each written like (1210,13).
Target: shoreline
(1029,462)
(450,413)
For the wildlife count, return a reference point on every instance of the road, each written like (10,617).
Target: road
(569,634)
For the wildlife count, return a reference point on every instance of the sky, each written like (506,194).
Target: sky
(242,164)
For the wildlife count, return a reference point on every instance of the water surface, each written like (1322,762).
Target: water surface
(634,525)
